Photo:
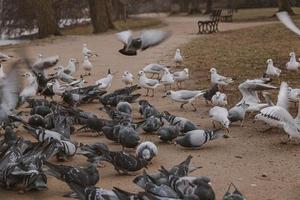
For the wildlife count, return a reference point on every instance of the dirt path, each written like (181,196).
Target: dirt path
(241,159)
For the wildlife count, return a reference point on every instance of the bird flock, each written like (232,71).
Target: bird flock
(34,109)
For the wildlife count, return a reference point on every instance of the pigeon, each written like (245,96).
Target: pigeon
(147,110)
(181,76)
(213,89)
(154,69)
(124,107)
(71,67)
(167,79)
(91,151)
(215,78)
(87,65)
(152,124)
(294,95)
(292,65)
(87,52)
(4,57)
(184,124)
(42,64)
(105,83)
(184,96)
(85,177)
(127,78)
(197,138)
(219,99)
(178,58)
(128,137)
(146,150)
(2,73)
(31,87)
(219,114)
(234,195)
(271,69)
(168,133)
(149,84)
(238,112)
(278,115)
(147,38)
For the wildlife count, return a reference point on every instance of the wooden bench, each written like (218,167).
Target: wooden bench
(211,25)
(228,16)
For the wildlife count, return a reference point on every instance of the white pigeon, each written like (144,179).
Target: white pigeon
(87,65)
(167,78)
(127,78)
(215,78)
(154,69)
(147,150)
(87,52)
(2,74)
(294,95)
(178,57)
(71,67)
(147,83)
(219,99)
(278,115)
(105,83)
(219,114)
(181,76)
(184,96)
(30,90)
(292,65)
(271,69)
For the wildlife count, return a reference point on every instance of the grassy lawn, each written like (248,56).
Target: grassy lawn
(242,54)
(131,23)
(258,14)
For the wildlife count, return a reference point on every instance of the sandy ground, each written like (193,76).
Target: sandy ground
(242,159)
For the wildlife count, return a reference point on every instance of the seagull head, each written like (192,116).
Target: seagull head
(167,94)
(269,61)
(292,54)
(177,50)
(226,123)
(141,73)
(186,70)
(84,45)
(40,56)
(213,71)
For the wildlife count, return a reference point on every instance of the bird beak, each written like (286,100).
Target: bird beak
(164,96)
(23,75)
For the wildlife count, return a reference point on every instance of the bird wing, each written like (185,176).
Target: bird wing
(156,67)
(287,21)
(46,63)
(125,37)
(185,94)
(152,82)
(283,98)
(153,37)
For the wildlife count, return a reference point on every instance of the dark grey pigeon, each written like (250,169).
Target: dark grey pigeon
(168,133)
(184,124)
(233,195)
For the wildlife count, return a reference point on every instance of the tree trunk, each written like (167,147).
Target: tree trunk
(45,17)
(100,15)
(209,4)
(284,5)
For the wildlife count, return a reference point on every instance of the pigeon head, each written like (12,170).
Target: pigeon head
(213,71)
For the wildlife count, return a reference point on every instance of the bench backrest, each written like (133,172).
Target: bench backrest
(215,15)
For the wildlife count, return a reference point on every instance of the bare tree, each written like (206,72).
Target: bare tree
(209,4)
(285,5)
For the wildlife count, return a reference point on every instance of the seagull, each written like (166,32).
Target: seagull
(42,64)
(87,65)
(294,94)
(148,38)
(219,99)
(219,114)
(215,78)
(154,69)
(61,75)
(271,69)
(57,88)
(2,73)
(4,57)
(71,67)
(127,78)
(87,52)
(292,65)
(31,89)
(181,76)
(178,58)
(105,83)
(147,83)
(278,115)
(167,78)
(184,96)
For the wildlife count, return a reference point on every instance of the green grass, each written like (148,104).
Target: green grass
(131,23)
(258,14)
(242,54)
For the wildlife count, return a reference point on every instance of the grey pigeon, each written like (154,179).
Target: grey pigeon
(184,124)
(168,133)
(234,195)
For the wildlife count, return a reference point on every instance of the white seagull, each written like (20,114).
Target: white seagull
(71,67)
(184,96)
(219,99)
(2,73)
(87,65)
(105,83)
(294,95)
(292,65)
(147,83)
(167,78)
(271,69)
(61,75)
(178,58)
(42,64)
(215,78)
(278,115)
(127,78)
(154,69)
(87,52)
(31,87)
(219,114)
(181,76)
